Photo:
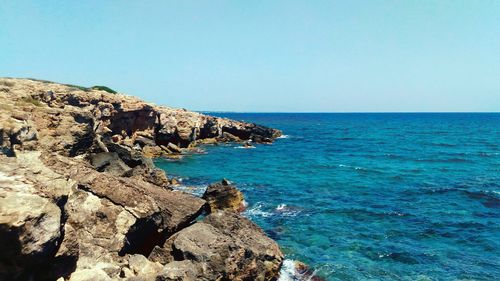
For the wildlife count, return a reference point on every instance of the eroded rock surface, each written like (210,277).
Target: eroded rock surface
(29,228)
(80,197)
(224,196)
(225,246)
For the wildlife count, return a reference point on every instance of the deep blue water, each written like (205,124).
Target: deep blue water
(370,196)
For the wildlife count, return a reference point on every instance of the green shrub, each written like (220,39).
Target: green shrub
(104,88)
(40,80)
(81,88)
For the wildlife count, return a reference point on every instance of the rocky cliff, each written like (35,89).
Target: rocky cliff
(80,198)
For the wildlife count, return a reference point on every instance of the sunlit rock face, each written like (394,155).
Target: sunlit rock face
(81,199)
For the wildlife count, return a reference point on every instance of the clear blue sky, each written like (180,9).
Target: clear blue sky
(264,55)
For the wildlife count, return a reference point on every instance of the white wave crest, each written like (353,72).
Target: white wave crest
(243,147)
(351,167)
(288,272)
(280,207)
(286,211)
(256,210)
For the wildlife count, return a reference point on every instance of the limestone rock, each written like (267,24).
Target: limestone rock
(143,268)
(184,270)
(174,148)
(29,228)
(153,151)
(262,256)
(81,199)
(15,133)
(224,196)
(143,141)
(73,121)
(90,275)
(228,137)
(109,162)
(156,209)
(208,141)
(229,247)
(162,255)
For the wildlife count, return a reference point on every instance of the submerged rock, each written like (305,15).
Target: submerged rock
(248,145)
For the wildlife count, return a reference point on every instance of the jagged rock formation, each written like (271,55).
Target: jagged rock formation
(222,249)
(224,196)
(80,198)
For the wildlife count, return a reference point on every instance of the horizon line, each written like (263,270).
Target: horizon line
(351,112)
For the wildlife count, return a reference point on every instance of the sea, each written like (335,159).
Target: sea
(368,196)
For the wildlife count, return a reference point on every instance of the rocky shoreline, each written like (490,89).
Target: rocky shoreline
(80,198)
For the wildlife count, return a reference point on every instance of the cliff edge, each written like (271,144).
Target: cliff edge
(80,198)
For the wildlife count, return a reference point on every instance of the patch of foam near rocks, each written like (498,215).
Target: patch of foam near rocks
(292,270)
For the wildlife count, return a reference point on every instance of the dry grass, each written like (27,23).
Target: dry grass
(5,107)
(31,100)
(7,83)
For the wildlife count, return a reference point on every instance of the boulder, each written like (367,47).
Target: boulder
(30,228)
(155,176)
(70,134)
(109,162)
(228,246)
(174,148)
(305,272)
(15,134)
(161,209)
(131,156)
(262,256)
(152,151)
(94,274)
(143,268)
(100,227)
(47,96)
(248,145)
(142,167)
(224,196)
(184,270)
(161,255)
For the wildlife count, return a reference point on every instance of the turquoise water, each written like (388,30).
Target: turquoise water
(370,196)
